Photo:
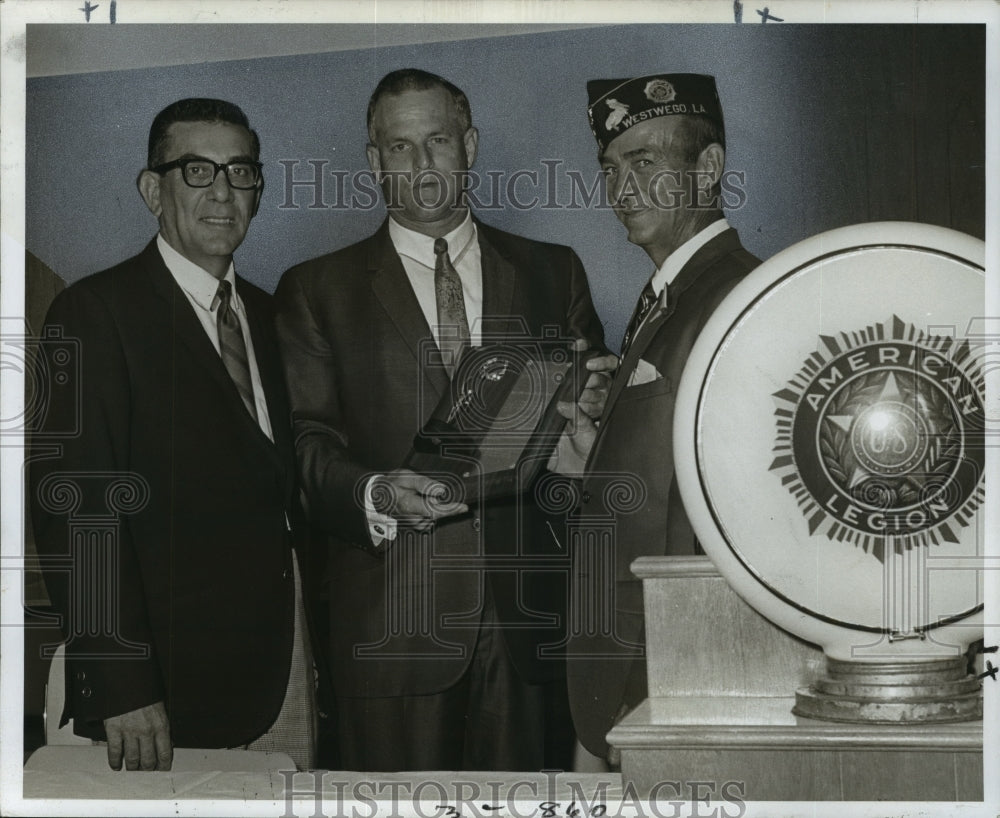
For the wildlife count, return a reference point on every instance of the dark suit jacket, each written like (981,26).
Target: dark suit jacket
(355,344)
(635,440)
(41,285)
(203,572)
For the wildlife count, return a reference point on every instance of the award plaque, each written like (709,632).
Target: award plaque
(496,427)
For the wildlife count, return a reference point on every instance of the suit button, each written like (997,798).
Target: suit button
(86,692)
(80,676)
(476,524)
(286,574)
(586,497)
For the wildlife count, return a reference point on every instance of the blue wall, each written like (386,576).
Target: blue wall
(832,125)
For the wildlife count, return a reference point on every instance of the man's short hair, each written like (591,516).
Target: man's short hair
(697,133)
(413,79)
(195,109)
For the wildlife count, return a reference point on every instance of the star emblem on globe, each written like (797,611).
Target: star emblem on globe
(883,438)
(880,437)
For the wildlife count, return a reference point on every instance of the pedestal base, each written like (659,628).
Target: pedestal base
(934,691)
(755,748)
(721,685)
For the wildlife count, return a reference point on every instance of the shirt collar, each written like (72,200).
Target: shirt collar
(675,262)
(420,248)
(198,283)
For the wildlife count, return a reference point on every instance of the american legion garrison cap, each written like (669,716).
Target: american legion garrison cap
(616,105)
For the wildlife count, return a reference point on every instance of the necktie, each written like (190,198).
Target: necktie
(646,301)
(232,347)
(453,324)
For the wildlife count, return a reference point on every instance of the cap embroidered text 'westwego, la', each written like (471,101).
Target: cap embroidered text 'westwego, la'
(614,106)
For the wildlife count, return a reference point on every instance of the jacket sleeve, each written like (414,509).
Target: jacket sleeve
(582,319)
(332,483)
(80,456)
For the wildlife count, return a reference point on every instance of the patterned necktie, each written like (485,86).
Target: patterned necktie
(232,347)
(646,301)
(453,324)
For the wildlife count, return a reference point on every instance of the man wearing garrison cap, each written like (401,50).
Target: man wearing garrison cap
(661,145)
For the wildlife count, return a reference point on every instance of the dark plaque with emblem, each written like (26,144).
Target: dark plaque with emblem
(494,431)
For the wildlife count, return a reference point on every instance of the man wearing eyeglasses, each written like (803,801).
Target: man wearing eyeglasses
(182,399)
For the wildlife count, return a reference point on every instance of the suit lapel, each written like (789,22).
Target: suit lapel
(498,279)
(392,287)
(186,330)
(265,348)
(647,332)
(724,243)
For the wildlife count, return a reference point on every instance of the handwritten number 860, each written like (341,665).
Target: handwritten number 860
(549,808)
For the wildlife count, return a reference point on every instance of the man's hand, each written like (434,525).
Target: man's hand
(142,736)
(577,439)
(595,390)
(413,499)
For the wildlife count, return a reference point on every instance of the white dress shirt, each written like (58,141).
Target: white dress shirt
(675,262)
(200,287)
(416,251)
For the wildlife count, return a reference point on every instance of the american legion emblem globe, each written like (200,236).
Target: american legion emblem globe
(830,432)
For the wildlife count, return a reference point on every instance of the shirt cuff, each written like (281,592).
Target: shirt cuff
(381,527)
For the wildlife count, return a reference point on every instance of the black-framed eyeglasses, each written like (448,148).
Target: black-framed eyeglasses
(200,172)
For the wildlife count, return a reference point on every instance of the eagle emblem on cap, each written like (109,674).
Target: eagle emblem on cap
(659,90)
(619,110)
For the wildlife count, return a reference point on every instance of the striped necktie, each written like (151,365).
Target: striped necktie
(453,323)
(232,346)
(646,301)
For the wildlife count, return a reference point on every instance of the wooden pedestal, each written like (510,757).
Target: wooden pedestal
(722,682)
